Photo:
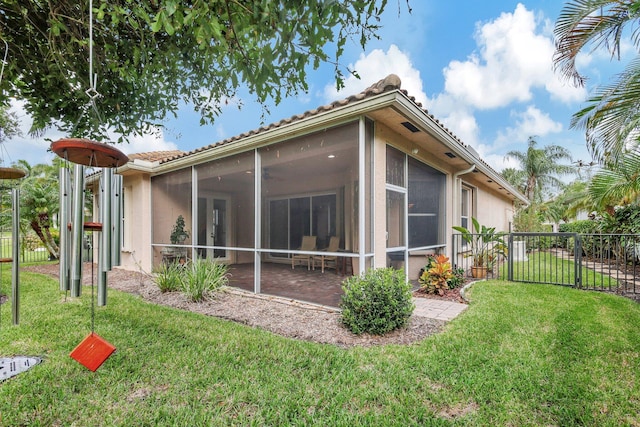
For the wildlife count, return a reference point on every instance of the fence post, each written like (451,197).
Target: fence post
(510,258)
(577,256)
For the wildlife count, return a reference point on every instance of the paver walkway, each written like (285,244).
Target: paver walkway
(438,309)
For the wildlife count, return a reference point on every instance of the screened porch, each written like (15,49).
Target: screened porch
(306,191)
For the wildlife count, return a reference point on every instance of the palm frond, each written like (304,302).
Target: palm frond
(617,184)
(612,117)
(596,23)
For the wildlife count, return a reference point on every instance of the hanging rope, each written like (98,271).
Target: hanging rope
(93,94)
(92,91)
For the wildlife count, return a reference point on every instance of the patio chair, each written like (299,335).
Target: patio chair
(331,260)
(308,244)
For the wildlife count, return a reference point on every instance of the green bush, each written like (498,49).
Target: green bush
(376,302)
(201,277)
(168,277)
(457,278)
(579,226)
(30,241)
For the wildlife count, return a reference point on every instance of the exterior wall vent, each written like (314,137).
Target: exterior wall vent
(410,126)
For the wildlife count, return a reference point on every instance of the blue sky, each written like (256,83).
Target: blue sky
(482,68)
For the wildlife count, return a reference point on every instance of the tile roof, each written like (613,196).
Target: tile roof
(390,83)
(154,156)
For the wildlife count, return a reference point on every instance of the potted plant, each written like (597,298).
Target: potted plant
(178,233)
(485,245)
(177,237)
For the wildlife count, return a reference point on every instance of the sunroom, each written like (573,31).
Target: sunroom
(293,208)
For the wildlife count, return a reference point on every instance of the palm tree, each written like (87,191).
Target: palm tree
(611,119)
(515,177)
(541,167)
(565,206)
(39,201)
(619,185)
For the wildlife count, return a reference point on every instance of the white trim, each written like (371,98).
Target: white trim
(362,222)
(257,201)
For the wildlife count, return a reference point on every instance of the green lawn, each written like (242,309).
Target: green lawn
(520,355)
(6,250)
(546,267)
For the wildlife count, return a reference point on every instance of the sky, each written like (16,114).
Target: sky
(484,69)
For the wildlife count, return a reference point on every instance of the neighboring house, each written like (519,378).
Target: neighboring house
(376,170)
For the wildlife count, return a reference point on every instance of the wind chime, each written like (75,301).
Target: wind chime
(93,350)
(11,175)
(12,366)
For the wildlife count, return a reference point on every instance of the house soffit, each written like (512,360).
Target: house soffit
(441,145)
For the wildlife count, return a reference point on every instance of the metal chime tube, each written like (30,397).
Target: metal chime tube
(102,276)
(77,230)
(104,250)
(106,215)
(65,232)
(15,265)
(117,220)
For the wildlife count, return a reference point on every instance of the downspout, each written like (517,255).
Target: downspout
(457,190)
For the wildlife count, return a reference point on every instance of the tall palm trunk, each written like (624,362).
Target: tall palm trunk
(41,227)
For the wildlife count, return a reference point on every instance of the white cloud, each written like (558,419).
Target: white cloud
(514,57)
(149,142)
(35,149)
(499,162)
(376,66)
(528,123)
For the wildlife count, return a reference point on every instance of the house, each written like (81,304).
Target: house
(374,170)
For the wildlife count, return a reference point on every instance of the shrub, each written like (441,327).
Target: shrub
(431,259)
(31,242)
(435,280)
(201,277)
(457,278)
(168,277)
(376,302)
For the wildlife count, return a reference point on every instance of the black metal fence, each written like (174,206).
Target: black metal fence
(601,262)
(480,258)
(32,250)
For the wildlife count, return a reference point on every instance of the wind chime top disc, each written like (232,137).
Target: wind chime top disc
(11,173)
(89,153)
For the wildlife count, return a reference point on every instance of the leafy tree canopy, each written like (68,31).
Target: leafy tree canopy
(149,56)
(9,125)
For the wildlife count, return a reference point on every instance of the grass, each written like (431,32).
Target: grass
(6,250)
(520,355)
(545,267)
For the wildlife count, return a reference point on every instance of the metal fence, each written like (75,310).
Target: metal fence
(33,251)
(601,262)
(30,251)
(478,258)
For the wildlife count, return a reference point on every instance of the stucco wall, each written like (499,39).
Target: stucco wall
(136,254)
(493,210)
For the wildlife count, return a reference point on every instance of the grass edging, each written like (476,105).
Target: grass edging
(466,287)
